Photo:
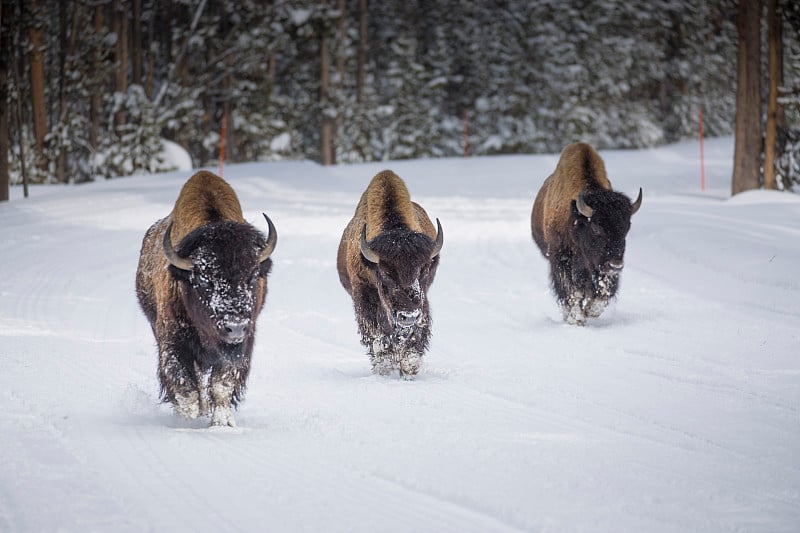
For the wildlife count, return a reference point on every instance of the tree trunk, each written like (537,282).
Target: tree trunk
(326,137)
(747,151)
(121,77)
(136,41)
(61,158)
(271,66)
(5,50)
(66,52)
(232,150)
(775,45)
(362,48)
(38,103)
(148,85)
(96,96)
(340,70)
(16,52)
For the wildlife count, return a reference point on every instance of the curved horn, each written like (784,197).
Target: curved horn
(182,263)
(272,240)
(366,251)
(583,209)
(437,246)
(638,203)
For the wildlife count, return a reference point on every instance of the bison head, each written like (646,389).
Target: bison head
(222,268)
(404,263)
(600,222)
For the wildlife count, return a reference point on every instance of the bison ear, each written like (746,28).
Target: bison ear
(368,253)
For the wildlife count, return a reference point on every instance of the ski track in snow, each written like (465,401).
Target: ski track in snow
(677,410)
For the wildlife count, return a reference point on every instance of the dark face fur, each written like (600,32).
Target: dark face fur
(601,237)
(223,292)
(403,276)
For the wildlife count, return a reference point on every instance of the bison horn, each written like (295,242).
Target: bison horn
(583,209)
(366,251)
(182,263)
(272,240)
(437,246)
(638,203)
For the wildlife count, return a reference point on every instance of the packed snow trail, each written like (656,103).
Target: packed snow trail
(677,410)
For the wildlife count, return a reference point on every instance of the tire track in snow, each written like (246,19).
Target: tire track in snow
(162,491)
(42,458)
(348,487)
(474,518)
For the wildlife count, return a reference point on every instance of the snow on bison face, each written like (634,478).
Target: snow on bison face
(222,269)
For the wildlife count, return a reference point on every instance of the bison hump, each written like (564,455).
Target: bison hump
(205,198)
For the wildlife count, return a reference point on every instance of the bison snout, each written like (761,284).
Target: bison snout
(615,264)
(406,319)
(234,331)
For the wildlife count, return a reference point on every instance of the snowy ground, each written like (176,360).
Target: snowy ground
(678,410)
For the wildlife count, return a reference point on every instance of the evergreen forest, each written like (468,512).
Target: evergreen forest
(90,87)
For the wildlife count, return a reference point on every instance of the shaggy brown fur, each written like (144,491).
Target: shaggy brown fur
(400,231)
(198,372)
(204,198)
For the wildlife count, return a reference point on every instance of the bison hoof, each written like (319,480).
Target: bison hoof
(574,315)
(596,307)
(381,366)
(187,406)
(409,365)
(223,416)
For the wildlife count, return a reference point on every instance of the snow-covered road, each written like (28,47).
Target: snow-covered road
(678,410)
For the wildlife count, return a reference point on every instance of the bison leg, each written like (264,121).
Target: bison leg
(574,309)
(414,347)
(368,316)
(569,294)
(202,377)
(222,385)
(379,349)
(178,385)
(410,363)
(605,288)
(221,391)
(402,351)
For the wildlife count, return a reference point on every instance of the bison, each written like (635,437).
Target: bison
(579,223)
(201,282)
(387,260)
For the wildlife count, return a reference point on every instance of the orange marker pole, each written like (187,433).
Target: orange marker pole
(702,163)
(223,130)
